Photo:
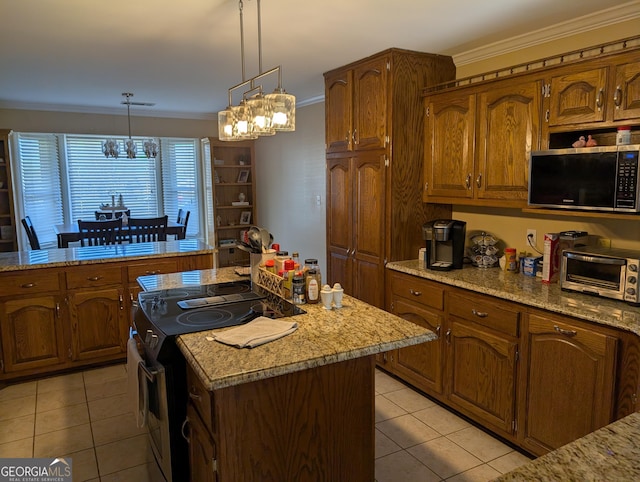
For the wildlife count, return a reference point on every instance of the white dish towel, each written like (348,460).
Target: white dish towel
(137,385)
(257,332)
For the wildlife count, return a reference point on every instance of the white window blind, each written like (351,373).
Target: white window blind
(94,179)
(180,180)
(39,179)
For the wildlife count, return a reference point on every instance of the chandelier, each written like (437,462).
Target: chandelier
(257,114)
(111,147)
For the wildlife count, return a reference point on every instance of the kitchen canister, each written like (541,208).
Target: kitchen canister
(623,137)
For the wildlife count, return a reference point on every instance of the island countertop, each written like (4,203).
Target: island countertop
(60,257)
(323,337)
(530,291)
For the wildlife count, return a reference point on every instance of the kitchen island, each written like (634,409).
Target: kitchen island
(66,308)
(295,409)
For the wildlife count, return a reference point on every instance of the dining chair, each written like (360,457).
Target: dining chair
(143,230)
(31,233)
(183,218)
(109,215)
(98,233)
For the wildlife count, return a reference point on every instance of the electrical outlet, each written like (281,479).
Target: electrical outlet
(604,242)
(532,238)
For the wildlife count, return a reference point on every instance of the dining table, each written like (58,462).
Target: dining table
(69,233)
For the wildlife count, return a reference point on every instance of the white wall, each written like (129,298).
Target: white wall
(290,172)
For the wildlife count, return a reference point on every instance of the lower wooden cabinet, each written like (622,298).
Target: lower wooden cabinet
(536,378)
(32,333)
(570,378)
(202,449)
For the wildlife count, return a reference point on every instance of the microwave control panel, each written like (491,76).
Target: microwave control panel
(627,180)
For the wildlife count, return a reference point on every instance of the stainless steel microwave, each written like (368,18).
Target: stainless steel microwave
(594,178)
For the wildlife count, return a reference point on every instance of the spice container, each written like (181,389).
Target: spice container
(281,257)
(312,286)
(512,262)
(623,137)
(298,289)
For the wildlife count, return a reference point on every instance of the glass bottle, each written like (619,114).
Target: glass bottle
(312,286)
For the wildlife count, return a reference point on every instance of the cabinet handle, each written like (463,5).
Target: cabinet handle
(193,394)
(546,116)
(438,331)
(565,332)
(479,180)
(94,278)
(28,285)
(121,301)
(70,353)
(355,136)
(184,426)
(479,314)
(346,138)
(448,336)
(414,292)
(152,272)
(57,310)
(468,181)
(617,97)
(599,99)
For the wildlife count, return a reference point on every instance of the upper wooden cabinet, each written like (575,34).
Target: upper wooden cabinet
(478,141)
(578,97)
(626,97)
(356,100)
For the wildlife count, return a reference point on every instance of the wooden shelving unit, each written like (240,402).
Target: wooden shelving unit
(8,241)
(233,182)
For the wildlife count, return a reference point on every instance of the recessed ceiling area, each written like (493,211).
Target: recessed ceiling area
(79,55)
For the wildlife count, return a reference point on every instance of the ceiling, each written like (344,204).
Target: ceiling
(79,55)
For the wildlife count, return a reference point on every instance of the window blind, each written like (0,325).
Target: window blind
(40,184)
(94,179)
(180,180)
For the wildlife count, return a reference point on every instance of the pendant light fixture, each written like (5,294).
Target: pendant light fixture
(257,114)
(111,147)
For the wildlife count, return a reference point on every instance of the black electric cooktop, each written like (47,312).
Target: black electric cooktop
(190,309)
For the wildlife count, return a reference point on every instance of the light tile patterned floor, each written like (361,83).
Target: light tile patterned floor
(86,416)
(417,440)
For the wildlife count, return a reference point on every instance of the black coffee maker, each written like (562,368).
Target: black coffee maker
(445,243)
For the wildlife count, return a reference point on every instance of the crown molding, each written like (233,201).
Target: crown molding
(585,23)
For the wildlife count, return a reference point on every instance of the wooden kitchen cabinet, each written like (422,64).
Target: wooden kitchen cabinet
(482,342)
(421,302)
(578,97)
(478,141)
(32,333)
(374,123)
(355,225)
(570,379)
(202,449)
(626,96)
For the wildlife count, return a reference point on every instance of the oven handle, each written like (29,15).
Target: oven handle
(597,259)
(150,374)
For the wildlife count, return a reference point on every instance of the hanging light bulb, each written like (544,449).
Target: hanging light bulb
(283,106)
(150,148)
(243,122)
(111,148)
(225,124)
(262,115)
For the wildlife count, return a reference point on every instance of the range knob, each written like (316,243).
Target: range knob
(632,280)
(633,267)
(154,341)
(631,291)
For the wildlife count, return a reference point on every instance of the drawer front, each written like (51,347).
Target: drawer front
(36,281)
(201,398)
(418,290)
(152,267)
(94,275)
(485,311)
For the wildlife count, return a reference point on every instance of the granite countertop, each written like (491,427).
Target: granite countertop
(49,258)
(530,291)
(323,337)
(609,453)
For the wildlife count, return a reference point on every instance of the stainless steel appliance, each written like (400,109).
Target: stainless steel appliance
(445,243)
(607,272)
(596,178)
(162,315)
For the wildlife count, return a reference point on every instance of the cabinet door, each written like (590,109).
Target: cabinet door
(202,452)
(570,382)
(420,364)
(339,222)
(578,97)
(338,111)
(449,144)
(98,323)
(32,335)
(482,374)
(626,99)
(370,104)
(509,117)
(368,242)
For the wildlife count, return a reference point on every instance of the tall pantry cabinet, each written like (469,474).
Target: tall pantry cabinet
(374,150)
